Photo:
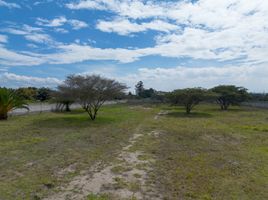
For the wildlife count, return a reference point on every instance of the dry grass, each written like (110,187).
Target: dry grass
(40,152)
(208,155)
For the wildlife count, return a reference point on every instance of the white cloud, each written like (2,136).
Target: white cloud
(60,21)
(39,38)
(14,81)
(202,11)
(167,79)
(12,58)
(230,30)
(77,24)
(51,23)
(9,5)
(86,5)
(66,54)
(226,30)
(3,39)
(61,30)
(73,53)
(252,77)
(125,27)
(129,8)
(32,45)
(30,33)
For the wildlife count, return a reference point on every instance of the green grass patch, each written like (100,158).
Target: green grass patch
(36,149)
(98,197)
(119,169)
(209,154)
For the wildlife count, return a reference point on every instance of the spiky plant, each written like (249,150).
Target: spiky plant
(9,101)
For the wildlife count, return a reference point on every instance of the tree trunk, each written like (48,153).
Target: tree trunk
(3,116)
(92,116)
(41,107)
(67,109)
(188,110)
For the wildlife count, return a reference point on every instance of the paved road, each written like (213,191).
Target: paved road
(45,107)
(260,104)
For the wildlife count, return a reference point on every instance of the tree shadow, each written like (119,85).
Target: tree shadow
(73,120)
(72,112)
(230,109)
(191,115)
(173,108)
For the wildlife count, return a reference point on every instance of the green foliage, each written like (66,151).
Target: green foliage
(36,149)
(212,157)
(148,93)
(189,97)
(139,88)
(28,93)
(258,96)
(230,95)
(9,101)
(151,93)
(43,94)
(97,197)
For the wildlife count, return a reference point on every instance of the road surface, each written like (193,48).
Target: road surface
(46,107)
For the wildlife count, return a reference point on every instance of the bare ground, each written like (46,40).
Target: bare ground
(126,178)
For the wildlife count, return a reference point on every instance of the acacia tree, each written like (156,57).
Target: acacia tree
(189,97)
(92,91)
(230,95)
(64,98)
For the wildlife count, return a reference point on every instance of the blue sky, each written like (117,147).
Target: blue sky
(167,44)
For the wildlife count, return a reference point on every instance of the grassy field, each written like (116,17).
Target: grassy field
(35,149)
(208,155)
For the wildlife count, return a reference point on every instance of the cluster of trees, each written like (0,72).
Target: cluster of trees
(34,94)
(91,92)
(142,92)
(224,95)
(11,99)
(259,97)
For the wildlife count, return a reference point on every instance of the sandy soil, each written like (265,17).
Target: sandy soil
(121,179)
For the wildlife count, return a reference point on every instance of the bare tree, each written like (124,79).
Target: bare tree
(64,98)
(92,91)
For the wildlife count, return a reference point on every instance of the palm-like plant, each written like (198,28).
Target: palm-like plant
(9,101)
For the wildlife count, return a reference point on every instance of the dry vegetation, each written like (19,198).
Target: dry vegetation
(209,154)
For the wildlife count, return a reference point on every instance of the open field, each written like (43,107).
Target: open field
(136,152)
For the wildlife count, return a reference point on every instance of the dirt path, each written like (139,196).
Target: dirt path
(160,114)
(126,178)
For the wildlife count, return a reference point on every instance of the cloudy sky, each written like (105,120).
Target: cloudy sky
(167,44)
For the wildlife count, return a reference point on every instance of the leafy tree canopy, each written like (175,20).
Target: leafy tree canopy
(189,97)
(230,95)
